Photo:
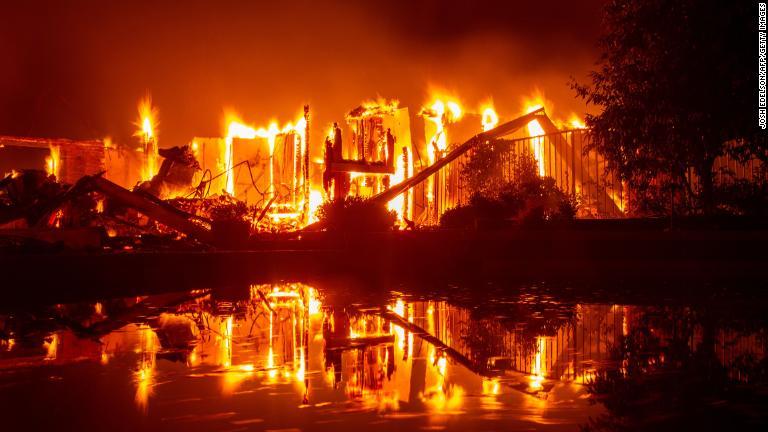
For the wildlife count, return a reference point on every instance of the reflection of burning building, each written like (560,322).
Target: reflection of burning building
(421,353)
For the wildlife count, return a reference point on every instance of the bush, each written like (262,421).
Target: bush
(527,198)
(355,214)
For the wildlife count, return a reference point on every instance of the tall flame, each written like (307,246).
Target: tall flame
(147,132)
(52,161)
(535,130)
(439,112)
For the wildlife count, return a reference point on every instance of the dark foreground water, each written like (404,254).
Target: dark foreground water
(299,357)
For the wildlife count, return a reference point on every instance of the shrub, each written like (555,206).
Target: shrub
(527,198)
(355,214)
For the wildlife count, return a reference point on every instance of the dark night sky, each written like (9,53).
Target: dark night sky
(77,68)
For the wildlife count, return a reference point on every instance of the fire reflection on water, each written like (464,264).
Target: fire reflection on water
(145,372)
(285,335)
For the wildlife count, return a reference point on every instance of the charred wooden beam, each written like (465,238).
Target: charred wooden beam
(175,218)
(497,132)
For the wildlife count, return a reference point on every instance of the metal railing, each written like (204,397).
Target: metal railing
(560,156)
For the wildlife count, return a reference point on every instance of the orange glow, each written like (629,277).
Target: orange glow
(576,123)
(490,119)
(52,161)
(538,370)
(444,399)
(144,377)
(315,200)
(51,347)
(440,112)
(379,106)
(535,130)
(235,129)
(399,176)
(281,211)
(147,132)
(491,387)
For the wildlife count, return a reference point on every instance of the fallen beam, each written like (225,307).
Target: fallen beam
(497,132)
(172,218)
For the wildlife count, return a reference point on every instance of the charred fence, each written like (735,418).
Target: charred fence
(561,156)
(564,157)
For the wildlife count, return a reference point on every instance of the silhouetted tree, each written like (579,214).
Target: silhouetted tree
(677,84)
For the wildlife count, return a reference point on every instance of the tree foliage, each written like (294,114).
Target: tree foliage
(676,82)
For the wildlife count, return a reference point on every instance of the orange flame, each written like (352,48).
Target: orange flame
(533,103)
(52,161)
(147,132)
(490,118)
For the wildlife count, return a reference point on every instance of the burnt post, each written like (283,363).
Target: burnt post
(305,207)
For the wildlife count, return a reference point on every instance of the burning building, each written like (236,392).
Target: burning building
(379,154)
(260,179)
(66,159)
(267,167)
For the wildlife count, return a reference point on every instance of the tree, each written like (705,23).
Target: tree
(677,85)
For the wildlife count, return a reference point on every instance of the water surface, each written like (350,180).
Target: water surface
(292,356)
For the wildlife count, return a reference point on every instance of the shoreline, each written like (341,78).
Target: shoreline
(620,256)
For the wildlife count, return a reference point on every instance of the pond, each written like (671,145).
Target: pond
(296,356)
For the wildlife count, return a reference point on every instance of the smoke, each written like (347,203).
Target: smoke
(77,69)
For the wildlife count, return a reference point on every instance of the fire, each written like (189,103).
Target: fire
(147,132)
(539,368)
(52,163)
(491,386)
(535,130)
(379,106)
(397,204)
(441,113)
(315,200)
(51,347)
(144,376)
(236,128)
(576,123)
(490,119)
